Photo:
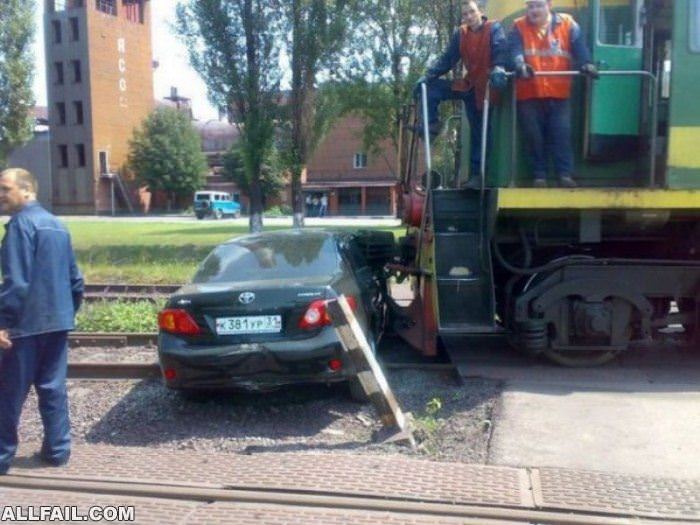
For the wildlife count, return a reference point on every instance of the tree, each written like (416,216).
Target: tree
(394,40)
(318,31)
(271,179)
(166,154)
(16,74)
(234,45)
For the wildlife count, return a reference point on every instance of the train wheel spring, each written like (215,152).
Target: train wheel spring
(533,336)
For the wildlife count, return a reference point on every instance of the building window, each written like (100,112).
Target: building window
(104,163)
(58,71)
(78,109)
(360,161)
(107,6)
(57,36)
(62,156)
(60,114)
(62,5)
(694,26)
(77,73)
(619,23)
(134,10)
(74,29)
(80,154)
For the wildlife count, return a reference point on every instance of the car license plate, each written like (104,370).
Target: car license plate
(251,324)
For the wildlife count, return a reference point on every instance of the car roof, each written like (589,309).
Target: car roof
(304,233)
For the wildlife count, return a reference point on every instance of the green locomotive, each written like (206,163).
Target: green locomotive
(578,275)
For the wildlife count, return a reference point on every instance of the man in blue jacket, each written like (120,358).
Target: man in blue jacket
(41,290)
(481,46)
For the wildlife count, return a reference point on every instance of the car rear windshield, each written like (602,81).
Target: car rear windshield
(261,258)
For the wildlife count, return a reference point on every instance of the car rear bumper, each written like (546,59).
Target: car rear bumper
(255,366)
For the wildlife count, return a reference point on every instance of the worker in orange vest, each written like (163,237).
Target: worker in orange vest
(482,47)
(544,40)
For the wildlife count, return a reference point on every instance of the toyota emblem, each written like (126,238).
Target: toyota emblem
(246,298)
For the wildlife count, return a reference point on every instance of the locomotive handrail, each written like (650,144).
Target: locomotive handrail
(514,121)
(429,169)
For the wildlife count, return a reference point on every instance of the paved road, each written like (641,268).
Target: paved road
(640,416)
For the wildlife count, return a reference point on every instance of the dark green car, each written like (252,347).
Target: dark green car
(254,316)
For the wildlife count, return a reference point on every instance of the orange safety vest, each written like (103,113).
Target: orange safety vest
(549,53)
(475,50)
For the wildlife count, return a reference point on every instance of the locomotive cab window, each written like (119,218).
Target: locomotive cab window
(619,23)
(695,26)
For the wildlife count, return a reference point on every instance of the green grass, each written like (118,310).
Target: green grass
(119,316)
(146,252)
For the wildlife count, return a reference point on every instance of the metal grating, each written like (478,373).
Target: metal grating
(620,494)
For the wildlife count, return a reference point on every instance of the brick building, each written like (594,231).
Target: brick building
(100,87)
(353,181)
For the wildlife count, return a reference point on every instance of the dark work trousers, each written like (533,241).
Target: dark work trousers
(546,127)
(440,90)
(39,360)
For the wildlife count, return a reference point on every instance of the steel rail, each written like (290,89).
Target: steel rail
(118,341)
(128,292)
(322,500)
(116,370)
(105,339)
(139,370)
(162,289)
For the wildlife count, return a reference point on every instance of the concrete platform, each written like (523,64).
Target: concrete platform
(636,416)
(394,477)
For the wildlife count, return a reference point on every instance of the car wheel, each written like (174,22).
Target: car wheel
(200,216)
(237,215)
(218,214)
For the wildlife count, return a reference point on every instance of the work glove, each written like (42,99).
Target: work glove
(498,77)
(417,88)
(590,71)
(524,70)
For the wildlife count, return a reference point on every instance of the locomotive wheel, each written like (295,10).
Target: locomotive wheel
(586,357)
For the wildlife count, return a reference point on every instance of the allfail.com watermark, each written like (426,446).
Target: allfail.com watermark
(46,513)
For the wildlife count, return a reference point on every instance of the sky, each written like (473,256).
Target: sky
(171,54)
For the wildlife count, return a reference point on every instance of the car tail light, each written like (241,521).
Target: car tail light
(178,321)
(316,314)
(335,365)
(169,374)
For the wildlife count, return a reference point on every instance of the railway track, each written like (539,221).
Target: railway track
(289,498)
(139,370)
(112,339)
(116,370)
(128,292)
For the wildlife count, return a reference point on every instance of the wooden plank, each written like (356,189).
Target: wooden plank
(369,373)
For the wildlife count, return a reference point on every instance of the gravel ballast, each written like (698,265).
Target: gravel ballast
(453,421)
